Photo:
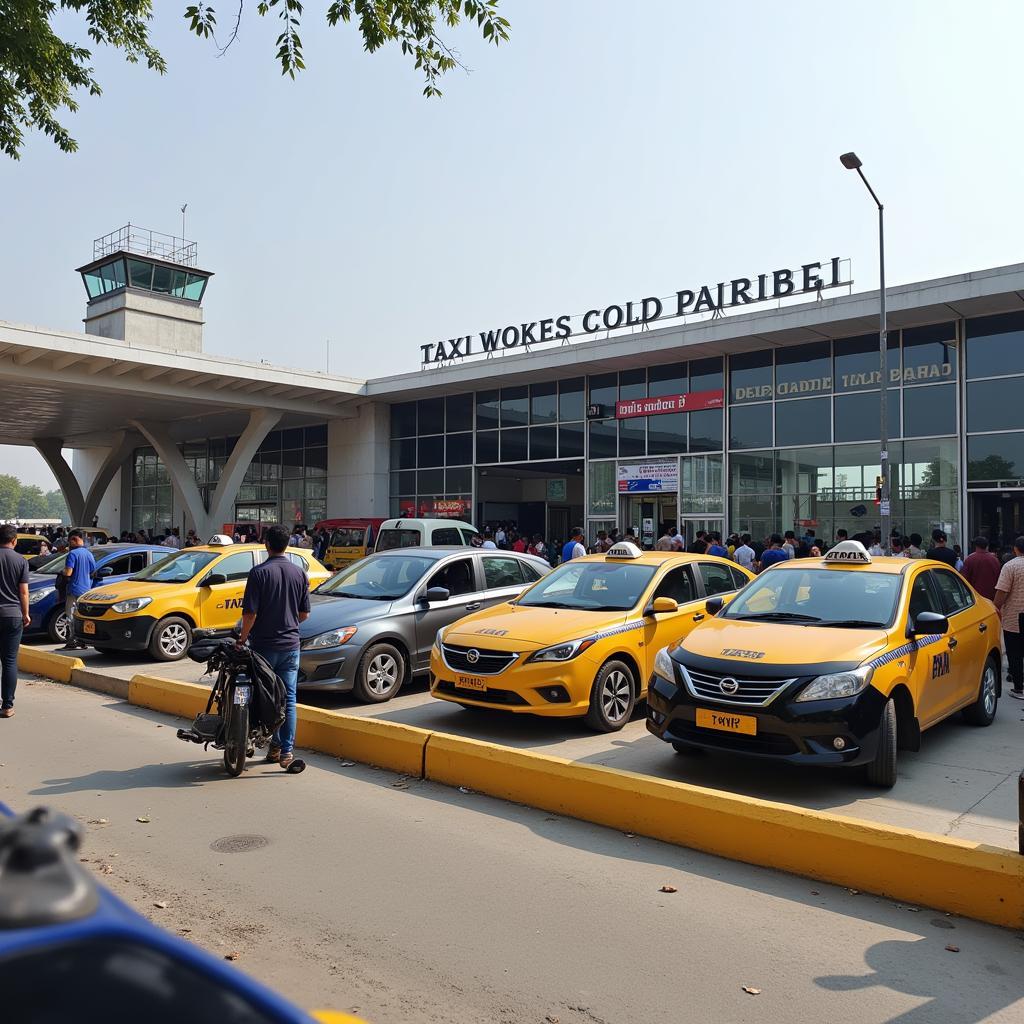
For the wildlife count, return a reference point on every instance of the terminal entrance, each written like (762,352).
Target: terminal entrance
(998,515)
(539,498)
(650,516)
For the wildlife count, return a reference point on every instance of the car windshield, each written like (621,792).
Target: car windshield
(179,568)
(52,567)
(819,597)
(387,540)
(590,586)
(379,577)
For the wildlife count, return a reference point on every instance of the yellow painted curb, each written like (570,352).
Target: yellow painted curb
(43,663)
(184,699)
(977,881)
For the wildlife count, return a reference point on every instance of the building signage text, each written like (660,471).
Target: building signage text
(810,278)
(694,401)
(648,477)
(847,381)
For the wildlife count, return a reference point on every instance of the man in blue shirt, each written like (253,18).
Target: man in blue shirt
(774,553)
(79,567)
(717,548)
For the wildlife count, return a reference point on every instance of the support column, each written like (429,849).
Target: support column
(121,447)
(51,450)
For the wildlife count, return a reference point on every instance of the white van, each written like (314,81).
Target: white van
(414,533)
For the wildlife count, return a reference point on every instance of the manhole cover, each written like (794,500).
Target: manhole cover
(239,844)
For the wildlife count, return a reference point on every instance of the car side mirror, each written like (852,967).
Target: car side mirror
(105,571)
(434,595)
(927,624)
(662,606)
(713,605)
(214,580)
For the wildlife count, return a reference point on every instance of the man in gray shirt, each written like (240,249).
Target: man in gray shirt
(14,616)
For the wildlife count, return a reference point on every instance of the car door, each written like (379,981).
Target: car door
(114,569)
(933,667)
(968,638)
(460,577)
(504,578)
(220,606)
(680,585)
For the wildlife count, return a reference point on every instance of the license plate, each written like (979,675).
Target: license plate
(725,722)
(471,683)
(88,627)
(242,694)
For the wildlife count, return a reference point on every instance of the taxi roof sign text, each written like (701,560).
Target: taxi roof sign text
(624,550)
(847,552)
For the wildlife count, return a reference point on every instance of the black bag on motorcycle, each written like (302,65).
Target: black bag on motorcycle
(266,708)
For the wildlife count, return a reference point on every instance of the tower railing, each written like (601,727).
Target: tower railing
(146,242)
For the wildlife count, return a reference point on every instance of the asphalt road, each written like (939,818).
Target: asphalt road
(409,902)
(963,782)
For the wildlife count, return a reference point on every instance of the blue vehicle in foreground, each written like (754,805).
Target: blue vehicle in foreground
(114,562)
(70,951)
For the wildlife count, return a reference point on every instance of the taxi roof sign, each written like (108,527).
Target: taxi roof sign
(220,540)
(624,550)
(848,552)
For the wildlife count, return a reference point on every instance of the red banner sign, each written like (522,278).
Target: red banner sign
(694,401)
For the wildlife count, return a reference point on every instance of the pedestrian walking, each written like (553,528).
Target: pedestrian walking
(774,553)
(939,551)
(664,542)
(744,554)
(79,568)
(717,548)
(914,549)
(14,616)
(789,544)
(574,546)
(981,569)
(1009,600)
(275,601)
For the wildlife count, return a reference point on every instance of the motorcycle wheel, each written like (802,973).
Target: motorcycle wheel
(236,740)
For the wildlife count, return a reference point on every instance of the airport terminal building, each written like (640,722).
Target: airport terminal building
(748,405)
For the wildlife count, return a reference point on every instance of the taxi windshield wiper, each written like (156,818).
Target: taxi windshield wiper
(854,623)
(554,604)
(780,616)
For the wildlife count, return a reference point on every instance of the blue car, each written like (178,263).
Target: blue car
(114,562)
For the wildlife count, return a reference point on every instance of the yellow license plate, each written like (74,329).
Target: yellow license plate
(471,683)
(88,627)
(726,722)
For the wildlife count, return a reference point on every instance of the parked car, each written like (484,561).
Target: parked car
(114,563)
(372,625)
(413,533)
(350,540)
(28,544)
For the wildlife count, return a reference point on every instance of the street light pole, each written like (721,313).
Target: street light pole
(853,163)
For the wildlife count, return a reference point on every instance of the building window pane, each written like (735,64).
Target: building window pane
(458,449)
(430,451)
(666,435)
(750,427)
(929,353)
(403,453)
(316,488)
(543,443)
(403,419)
(570,441)
(515,407)
(457,480)
(928,411)
(633,436)
(543,403)
(487,445)
(604,391)
(316,462)
(513,445)
(430,412)
(162,280)
(995,404)
(570,400)
(857,362)
(602,489)
(291,438)
(487,404)
(706,374)
(632,384)
(803,422)
(857,417)
(995,345)
(140,275)
(706,430)
(992,458)
(292,463)
(403,483)
(803,370)
(750,376)
(603,438)
(315,435)
(670,379)
(430,481)
(459,412)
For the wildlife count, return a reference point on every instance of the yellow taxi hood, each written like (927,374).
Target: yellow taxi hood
(539,627)
(126,589)
(780,643)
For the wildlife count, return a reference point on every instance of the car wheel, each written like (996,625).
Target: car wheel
(171,639)
(57,627)
(380,674)
(612,697)
(882,770)
(983,710)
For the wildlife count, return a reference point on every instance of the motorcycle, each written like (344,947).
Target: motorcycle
(237,719)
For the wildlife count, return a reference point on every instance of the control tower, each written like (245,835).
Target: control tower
(145,289)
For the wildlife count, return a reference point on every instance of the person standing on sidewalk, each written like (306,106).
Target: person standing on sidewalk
(981,569)
(1009,600)
(14,616)
(275,601)
(79,568)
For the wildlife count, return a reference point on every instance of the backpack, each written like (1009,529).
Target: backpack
(266,706)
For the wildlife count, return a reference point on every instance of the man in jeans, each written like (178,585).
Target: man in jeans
(1010,602)
(275,601)
(14,615)
(79,567)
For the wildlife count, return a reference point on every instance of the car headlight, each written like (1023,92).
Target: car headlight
(664,667)
(38,595)
(563,652)
(332,638)
(131,604)
(838,684)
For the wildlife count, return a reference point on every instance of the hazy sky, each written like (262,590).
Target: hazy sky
(610,150)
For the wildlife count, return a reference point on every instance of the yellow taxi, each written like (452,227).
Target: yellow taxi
(195,593)
(581,641)
(839,660)
(29,544)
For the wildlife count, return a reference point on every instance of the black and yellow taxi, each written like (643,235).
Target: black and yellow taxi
(581,641)
(838,660)
(195,593)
